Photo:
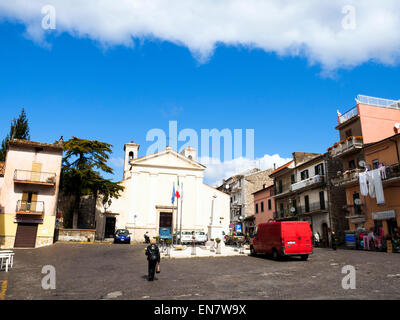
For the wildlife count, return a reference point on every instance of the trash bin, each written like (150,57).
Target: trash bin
(350,238)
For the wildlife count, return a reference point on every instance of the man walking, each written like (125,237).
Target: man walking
(333,240)
(153,257)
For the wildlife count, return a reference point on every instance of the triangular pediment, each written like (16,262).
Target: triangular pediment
(168,159)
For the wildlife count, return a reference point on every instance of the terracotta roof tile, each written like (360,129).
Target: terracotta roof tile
(282,167)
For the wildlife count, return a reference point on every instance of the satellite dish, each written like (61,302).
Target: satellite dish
(293,209)
(357,201)
(397,125)
(362,163)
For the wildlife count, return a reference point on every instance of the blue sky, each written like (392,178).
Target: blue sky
(77,87)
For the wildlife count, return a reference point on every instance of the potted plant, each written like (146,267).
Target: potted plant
(218,241)
(158,239)
(212,247)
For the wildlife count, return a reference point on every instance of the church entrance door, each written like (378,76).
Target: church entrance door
(165,225)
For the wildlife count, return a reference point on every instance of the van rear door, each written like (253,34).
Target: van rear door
(297,237)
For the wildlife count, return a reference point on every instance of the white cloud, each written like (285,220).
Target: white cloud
(310,28)
(217,170)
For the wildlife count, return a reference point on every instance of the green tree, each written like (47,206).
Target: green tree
(19,130)
(83,162)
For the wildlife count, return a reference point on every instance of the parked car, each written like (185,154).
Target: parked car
(200,237)
(234,238)
(122,236)
(279,239)
(186,237)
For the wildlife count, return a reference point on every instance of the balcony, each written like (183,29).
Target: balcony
(346,146)
(33,177)
(355,213)
(352,176)
(282,189)
(348,115)
(307,182)
(348,177)
(312,208)
(31,208)
(392,172)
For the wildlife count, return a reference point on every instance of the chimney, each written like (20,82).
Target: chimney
(274,166)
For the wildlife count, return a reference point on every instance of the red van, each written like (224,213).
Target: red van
(289,238)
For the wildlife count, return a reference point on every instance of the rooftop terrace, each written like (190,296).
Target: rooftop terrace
(370,101)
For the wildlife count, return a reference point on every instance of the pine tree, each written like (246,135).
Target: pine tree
(80,175)
(19,130)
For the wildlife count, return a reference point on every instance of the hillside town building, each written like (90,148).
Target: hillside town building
(241,188)
(28,193)
(369,143)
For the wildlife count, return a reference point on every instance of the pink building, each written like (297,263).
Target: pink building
(28,193)
(264,205)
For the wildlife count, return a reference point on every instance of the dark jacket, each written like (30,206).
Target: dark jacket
(153,249)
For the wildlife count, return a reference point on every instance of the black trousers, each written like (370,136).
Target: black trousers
(152,269)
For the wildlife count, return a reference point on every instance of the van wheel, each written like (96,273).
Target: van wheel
(304,257)
(252,251)
(275,255)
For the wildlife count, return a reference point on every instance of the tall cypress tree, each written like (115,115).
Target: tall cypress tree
(19,130)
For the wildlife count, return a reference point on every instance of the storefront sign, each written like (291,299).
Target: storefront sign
(384,215)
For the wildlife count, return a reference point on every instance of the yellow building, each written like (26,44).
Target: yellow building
(29,184)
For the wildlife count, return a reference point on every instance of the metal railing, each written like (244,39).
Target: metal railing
(30,207)
(378,102)
(279,189)
(354,211)
(307,182)
(348,115)
(312,207)
(392,171)
(351,143)
(34,176)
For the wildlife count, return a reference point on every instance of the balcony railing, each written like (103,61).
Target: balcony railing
(280,214)
(281,189)
(307,182)
(392,171)
(33,207)
(354,211)
(33,177)
(348,115)
(312,207)
(345,146)
(347,177)
(351,176)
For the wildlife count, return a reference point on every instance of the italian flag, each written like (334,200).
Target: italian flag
(177,194)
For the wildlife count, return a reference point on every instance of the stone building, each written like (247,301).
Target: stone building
(241,189)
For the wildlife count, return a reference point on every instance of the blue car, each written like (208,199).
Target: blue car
(122,236)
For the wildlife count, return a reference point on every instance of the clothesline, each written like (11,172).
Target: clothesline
(371,183)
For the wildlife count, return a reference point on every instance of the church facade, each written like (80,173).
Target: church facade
(146,203)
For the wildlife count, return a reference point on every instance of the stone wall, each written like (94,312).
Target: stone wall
(337,199)
(79,235)
(255,183)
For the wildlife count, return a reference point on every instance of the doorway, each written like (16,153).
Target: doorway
(325,235)
(110,227)
(26,235)
(165,226)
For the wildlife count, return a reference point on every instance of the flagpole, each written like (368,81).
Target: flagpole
(181,197)
(176,224)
